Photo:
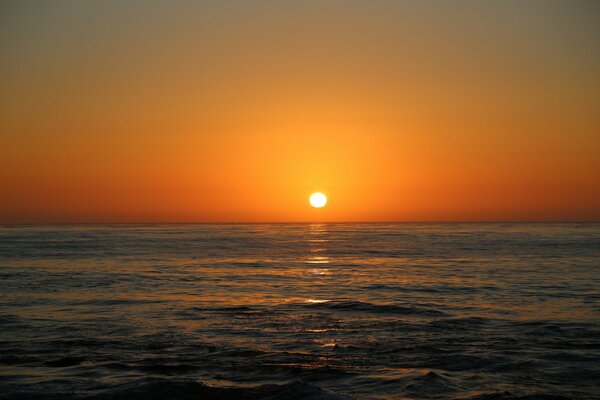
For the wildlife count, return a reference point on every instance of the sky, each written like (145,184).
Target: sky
(236,111)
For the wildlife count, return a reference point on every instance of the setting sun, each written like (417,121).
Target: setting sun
(318,200)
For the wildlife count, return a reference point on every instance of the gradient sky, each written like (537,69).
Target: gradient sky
(157,111)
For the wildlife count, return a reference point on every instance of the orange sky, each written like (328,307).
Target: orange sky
(145,111)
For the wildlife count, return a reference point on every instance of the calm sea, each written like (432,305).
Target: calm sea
(314,311)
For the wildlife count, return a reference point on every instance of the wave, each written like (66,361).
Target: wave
(505,395)
(460,322)
(359,306)
(154,388)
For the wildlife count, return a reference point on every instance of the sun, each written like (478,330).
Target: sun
(318,200)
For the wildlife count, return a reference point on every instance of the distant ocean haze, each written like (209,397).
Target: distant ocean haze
(266,311)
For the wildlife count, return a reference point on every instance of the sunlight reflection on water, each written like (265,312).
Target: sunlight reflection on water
(367,309)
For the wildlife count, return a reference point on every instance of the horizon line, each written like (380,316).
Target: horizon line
(306,222)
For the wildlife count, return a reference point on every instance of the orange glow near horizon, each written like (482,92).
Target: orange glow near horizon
(401,112)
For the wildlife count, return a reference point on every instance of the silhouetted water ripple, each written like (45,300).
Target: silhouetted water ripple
(283,311)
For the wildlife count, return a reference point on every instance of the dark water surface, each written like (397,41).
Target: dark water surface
(366,311)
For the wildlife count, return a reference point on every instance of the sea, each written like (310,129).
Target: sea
(300,311)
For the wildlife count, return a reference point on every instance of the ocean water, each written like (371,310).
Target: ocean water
(305,311)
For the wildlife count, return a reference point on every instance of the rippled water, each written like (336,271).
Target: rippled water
(366,311)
